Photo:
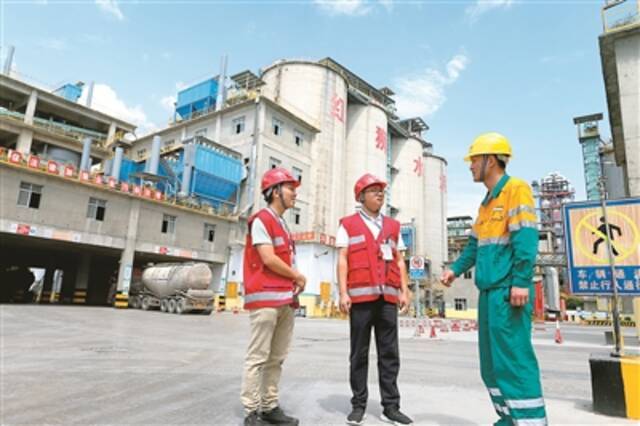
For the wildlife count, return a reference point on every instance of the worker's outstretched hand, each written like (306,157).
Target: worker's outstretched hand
(345,303)
(447,278)
(519,296)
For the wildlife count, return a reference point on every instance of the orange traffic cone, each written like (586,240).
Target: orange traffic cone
(433,334)
(558,337)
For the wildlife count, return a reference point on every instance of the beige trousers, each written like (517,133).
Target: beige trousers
(271,332)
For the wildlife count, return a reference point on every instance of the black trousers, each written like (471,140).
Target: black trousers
(383,317)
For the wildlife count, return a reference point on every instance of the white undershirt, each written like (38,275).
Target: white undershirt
(259,234)
(374,225)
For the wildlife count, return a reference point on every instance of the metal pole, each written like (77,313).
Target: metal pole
(612,264)
(413,253)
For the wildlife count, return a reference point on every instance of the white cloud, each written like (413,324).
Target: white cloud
(251,28)
(480,7)
(94,38)
(106,100)
(563,59)
(387,4)
(53,44)
(168,103)
(423,94)
(111,7)
(350,7)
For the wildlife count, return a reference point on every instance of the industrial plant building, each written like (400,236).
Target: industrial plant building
(81,196)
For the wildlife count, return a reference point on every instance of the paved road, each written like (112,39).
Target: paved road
(76,365)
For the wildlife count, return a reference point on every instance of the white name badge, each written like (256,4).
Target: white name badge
(387,254)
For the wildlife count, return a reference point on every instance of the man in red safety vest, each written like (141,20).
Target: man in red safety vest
(271,288)
(373,282)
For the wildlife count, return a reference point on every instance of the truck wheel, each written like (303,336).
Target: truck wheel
(171,306)
(146,303)
(163,305)
(207,312)
(135,302)
(181,305)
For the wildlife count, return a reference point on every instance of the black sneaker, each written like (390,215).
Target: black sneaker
(356,417)
(395,417)
(276,416)
(252,419)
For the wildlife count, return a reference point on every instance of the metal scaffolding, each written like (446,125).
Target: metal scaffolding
(553,191)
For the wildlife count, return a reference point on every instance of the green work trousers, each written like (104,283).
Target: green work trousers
(508,363)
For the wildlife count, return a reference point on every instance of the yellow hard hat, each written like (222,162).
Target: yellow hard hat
(489,143)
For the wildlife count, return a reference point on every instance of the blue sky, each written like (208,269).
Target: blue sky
(523,68)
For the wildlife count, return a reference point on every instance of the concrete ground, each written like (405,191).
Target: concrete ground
(68,365)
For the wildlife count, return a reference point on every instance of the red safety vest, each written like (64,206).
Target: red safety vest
(369,275)
(263,287)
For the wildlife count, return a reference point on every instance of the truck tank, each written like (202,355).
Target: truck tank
(175,288)
(165,280)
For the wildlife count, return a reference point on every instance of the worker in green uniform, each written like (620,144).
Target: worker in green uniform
(503,247)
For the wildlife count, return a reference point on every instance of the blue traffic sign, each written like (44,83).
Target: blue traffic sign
(587,248)
(416,267)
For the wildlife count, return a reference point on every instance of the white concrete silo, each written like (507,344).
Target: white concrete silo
(434,219)
(317,94)
(366,147)
(407,189)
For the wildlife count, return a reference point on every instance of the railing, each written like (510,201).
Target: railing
(619,15)
(12,114)
(74,132)
(67,130)
(68,171)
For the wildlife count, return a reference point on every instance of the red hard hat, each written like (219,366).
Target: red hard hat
(276,176)
(366,181)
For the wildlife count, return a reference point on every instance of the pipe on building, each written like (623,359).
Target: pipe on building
(85,161)
(117,163)
(253,161)
(222,92)
(154,160)
(189,160)
(90,94)
(8,62)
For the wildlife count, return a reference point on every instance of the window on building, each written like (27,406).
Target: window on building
(460,304)
(468,274)
(277,126)
(295,215)
(209,232)
(274,162)
(297,173)
(96,209)
(238,125)
(29,195)
(298,137)
(200,132)
(168,224)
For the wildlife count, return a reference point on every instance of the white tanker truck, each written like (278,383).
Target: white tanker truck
(174,287)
